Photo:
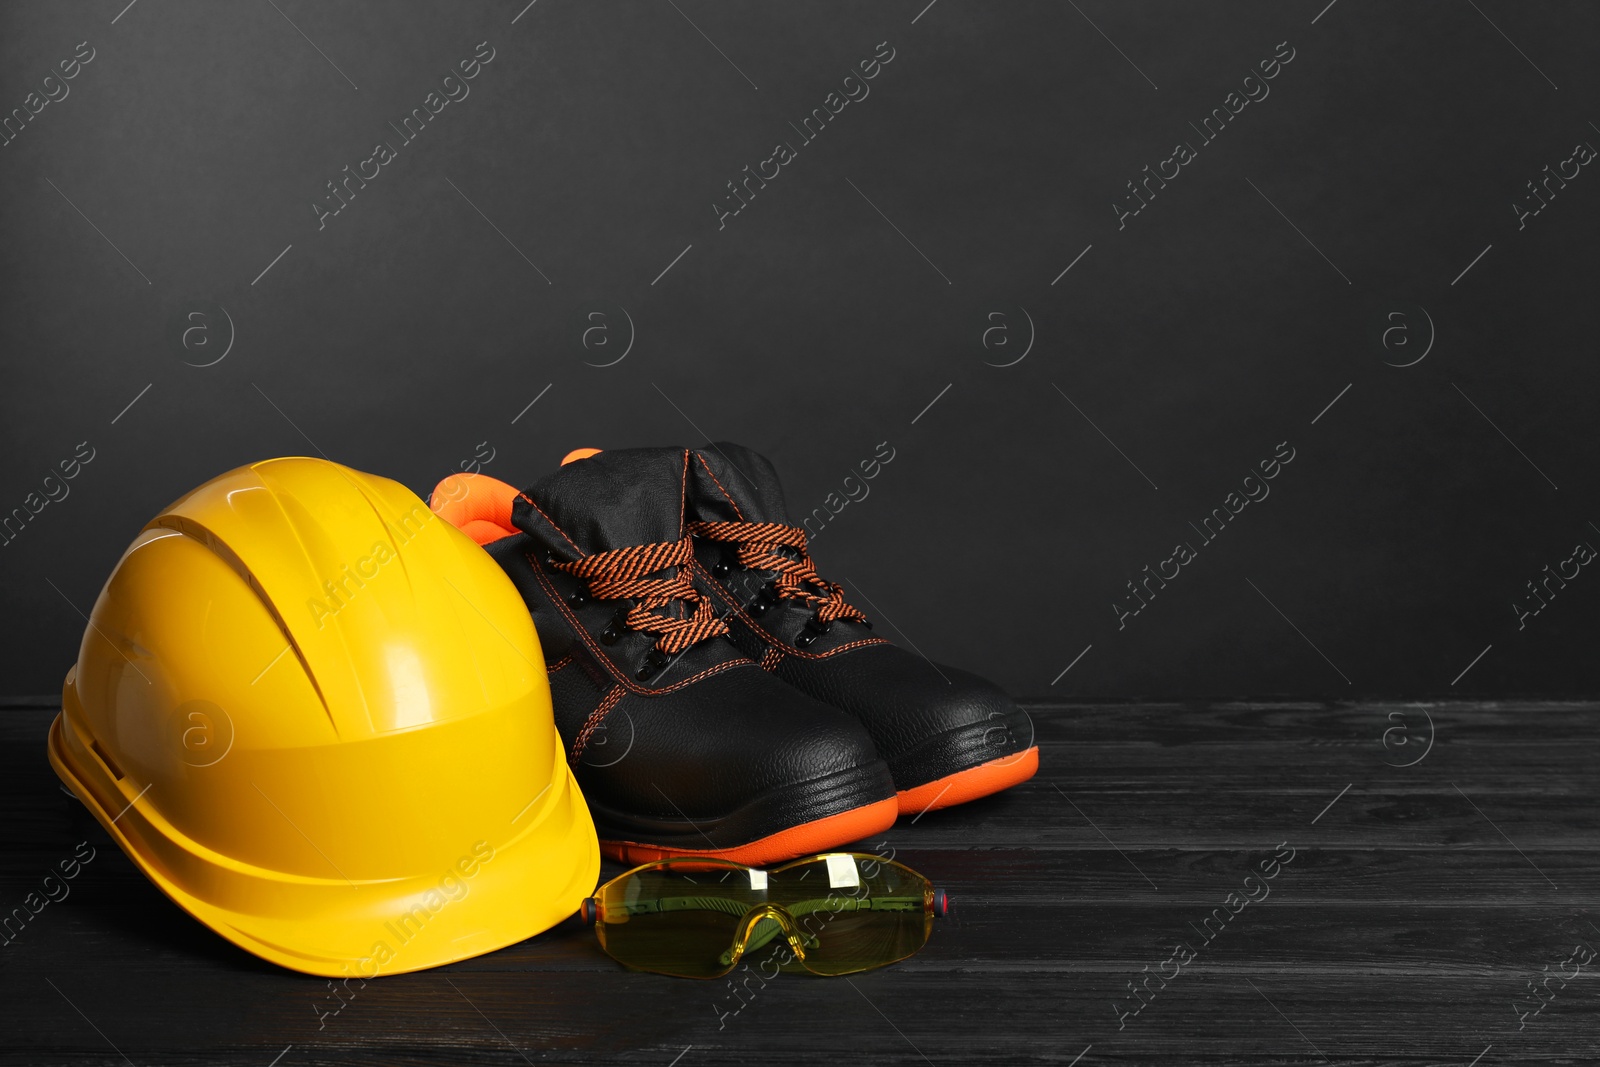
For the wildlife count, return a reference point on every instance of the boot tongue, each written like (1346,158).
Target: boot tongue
(609,500)
(731,483)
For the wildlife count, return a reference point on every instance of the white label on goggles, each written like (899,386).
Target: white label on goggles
(758,879)
(842,871)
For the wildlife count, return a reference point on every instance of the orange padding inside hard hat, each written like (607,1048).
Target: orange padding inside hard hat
(476,504)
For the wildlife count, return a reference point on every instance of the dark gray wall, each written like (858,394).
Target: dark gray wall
(1184,344)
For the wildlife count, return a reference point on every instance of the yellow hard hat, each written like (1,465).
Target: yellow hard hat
(317,716)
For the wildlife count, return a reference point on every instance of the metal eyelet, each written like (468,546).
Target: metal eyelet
(814,629)
(579,596)
(654,661)
(763,600)
(613,631)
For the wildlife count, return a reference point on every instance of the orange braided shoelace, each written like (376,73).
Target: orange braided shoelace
(620,575)
(758,544)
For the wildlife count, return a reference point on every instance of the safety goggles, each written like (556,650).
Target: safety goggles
(836,913)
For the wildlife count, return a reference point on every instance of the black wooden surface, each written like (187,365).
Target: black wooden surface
(1405,930)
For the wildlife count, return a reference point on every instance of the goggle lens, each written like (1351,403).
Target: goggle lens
(833,914)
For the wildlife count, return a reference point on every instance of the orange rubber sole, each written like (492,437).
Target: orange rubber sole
(970,784)
(820,835)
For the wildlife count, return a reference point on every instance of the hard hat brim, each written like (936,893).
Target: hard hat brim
(358,929)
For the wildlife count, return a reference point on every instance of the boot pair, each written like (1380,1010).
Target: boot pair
(716,695)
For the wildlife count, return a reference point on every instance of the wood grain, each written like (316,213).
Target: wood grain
(1404,931)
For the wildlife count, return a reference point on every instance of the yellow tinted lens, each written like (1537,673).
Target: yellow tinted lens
(680,917)
(854,912)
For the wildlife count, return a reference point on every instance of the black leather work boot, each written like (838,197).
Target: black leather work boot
(948,736)
(680,743)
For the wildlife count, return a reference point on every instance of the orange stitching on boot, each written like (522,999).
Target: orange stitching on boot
(552,522)
(598,655)
(683,491)
(612,698)
(736,509)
